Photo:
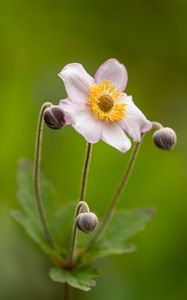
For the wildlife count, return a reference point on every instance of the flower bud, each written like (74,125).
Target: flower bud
(54,117)
(86,222)
(165,138)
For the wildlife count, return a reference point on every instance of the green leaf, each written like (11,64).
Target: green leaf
(29,219)
(26,195)
(32,229)
(59,220)
(63,221)
(123,225)
(80,278)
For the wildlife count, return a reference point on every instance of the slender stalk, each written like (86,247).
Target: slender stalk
(81,206)
(37,160)
(157,125)
(68,292)
(81,199)
(115,199)
(85,171)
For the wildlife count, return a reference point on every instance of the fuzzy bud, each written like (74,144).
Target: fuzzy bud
(54,117)
(165,138)
(86,222)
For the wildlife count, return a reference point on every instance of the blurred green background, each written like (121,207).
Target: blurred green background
(37,39)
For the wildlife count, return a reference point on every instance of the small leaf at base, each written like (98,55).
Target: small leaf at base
(80,278)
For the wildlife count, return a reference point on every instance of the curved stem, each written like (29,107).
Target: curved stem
(80,203)
(157,125)
(115,200)
(85,208)
(37,160)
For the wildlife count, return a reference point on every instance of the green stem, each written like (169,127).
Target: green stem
(81,199)
(37,160)
(85,171)
(68,292)
(80,206)
(114,201)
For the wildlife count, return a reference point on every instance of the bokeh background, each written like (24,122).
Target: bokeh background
(37,39)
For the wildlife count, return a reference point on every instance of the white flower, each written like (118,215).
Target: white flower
(98,108)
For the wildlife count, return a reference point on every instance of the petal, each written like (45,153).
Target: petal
(77,82)
(134,122)
(113,71)
(82,120)
(70,109)
(125,99)
(89,127)
(114,135)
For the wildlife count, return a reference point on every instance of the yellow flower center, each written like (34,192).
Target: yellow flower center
(104,104)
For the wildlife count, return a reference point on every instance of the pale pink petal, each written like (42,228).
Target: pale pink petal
(89,127)
(114,135)
(70,109)
(113,71)
(77,82)
(134,122)
(125,99)
(82,120)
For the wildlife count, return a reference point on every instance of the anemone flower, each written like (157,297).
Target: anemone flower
(98,108)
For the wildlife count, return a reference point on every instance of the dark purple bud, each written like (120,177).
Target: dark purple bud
(86,222)
(165,138)
(54,117)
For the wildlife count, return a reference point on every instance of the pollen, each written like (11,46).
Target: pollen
(104,102)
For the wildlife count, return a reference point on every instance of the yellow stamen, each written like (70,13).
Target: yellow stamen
(103,101)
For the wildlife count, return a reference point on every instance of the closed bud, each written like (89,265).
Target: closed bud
(165,138)
(86,222)
(54,117)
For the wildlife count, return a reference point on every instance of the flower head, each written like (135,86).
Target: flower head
(98,108)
